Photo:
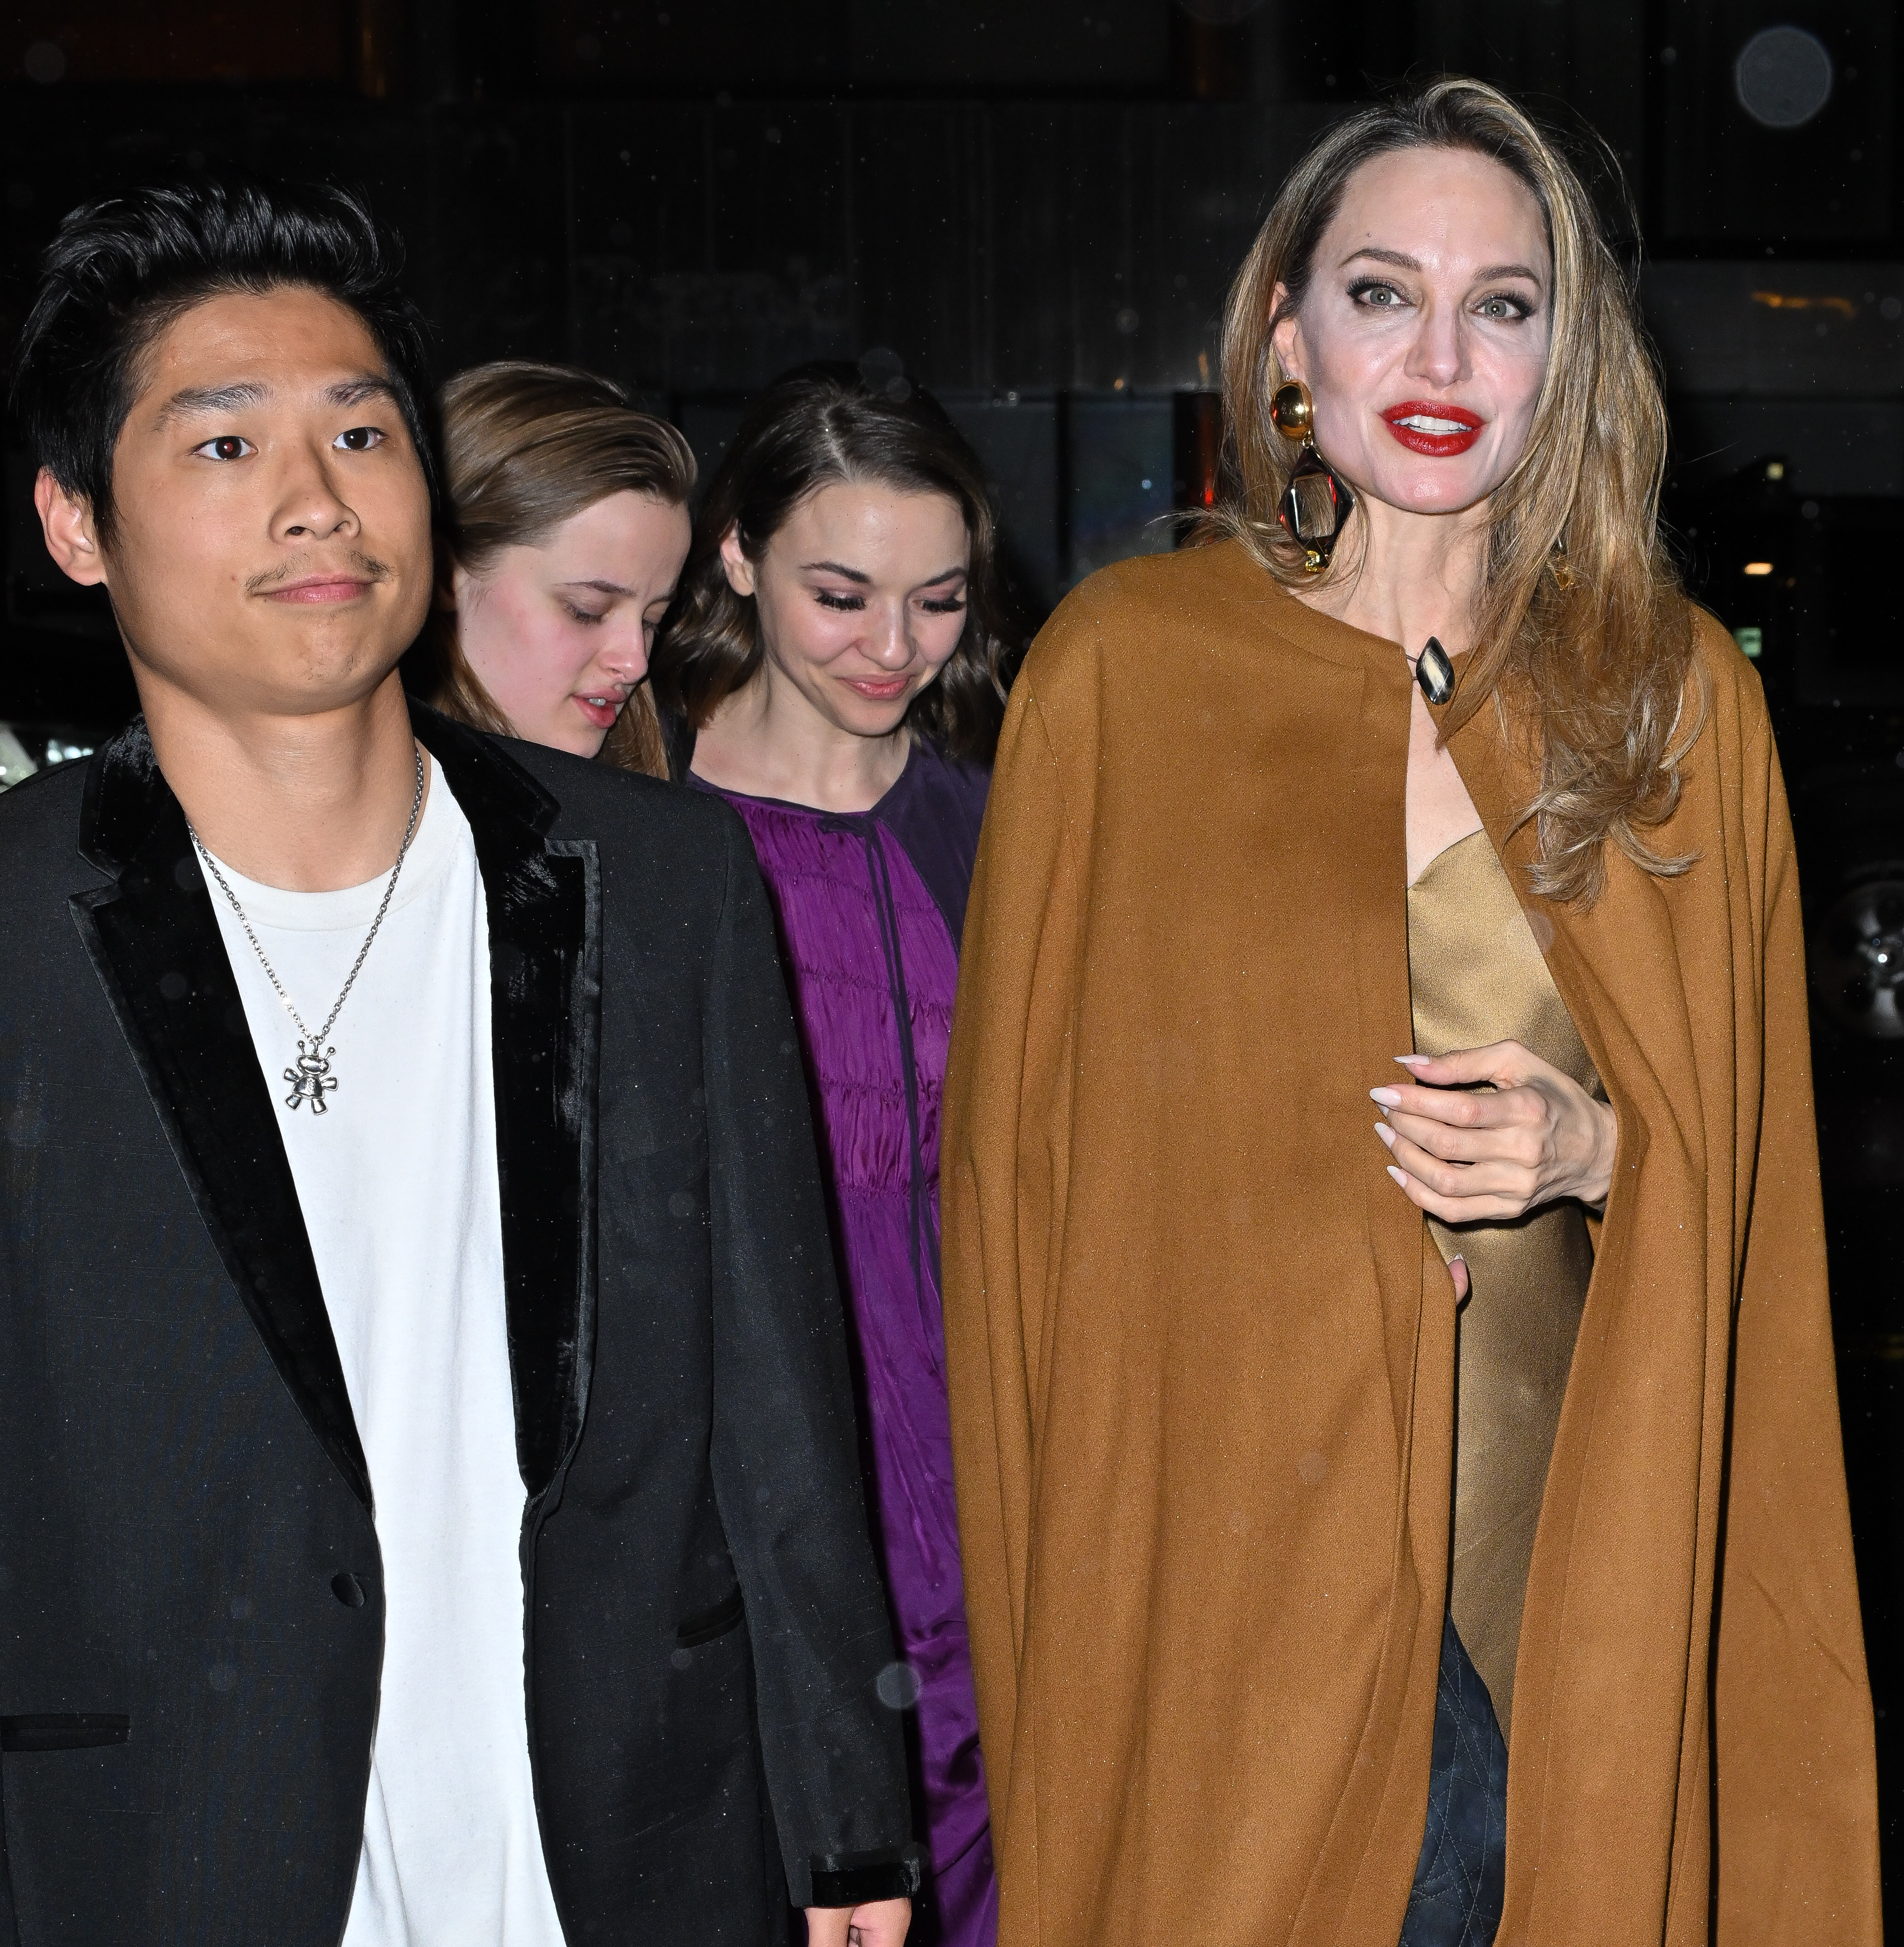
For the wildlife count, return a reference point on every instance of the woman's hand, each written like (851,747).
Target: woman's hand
(878,1923)
(1466,1156)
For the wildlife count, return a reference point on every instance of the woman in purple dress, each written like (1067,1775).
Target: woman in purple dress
(831,670)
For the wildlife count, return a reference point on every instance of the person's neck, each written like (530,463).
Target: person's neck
(1407,577)
(767,741)
(309,803)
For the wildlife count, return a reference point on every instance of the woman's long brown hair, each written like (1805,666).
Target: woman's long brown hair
(812,428)
(524,447)
(1583,639)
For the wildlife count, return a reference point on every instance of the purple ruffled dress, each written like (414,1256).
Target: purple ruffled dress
(871,907)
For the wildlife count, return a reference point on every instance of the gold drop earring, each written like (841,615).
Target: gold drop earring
(1317,503)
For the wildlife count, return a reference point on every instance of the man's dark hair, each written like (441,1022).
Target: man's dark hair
(122,269)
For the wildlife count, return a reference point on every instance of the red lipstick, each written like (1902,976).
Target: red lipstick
(1435,428)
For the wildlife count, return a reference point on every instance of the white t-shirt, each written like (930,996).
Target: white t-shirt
(397,1182)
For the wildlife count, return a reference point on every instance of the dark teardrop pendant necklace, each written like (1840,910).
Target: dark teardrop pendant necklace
(1434,672)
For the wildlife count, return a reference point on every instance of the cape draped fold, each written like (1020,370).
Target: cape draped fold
(1201,1349)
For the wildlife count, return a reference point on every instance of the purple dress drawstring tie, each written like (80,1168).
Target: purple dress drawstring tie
(864,827)
(869,906)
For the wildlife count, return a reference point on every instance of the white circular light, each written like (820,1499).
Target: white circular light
(898,1686)
(1783,77)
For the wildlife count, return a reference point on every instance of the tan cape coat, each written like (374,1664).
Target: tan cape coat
(1201,1349)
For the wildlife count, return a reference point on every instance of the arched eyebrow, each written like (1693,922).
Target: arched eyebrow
(1401,261)
(865,580)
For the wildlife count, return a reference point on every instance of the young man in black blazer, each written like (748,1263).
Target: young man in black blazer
(429,1510)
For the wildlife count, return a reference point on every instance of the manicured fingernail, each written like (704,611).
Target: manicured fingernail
(1386,1096)
(1387,1135)
(1398,1175)
(1414,1060)
(1457,1259)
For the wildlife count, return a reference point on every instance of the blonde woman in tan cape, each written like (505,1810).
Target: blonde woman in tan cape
(1312,1450)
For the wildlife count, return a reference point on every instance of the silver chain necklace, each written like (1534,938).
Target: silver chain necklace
(311,1079)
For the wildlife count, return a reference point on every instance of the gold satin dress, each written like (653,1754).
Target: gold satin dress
(1475,975)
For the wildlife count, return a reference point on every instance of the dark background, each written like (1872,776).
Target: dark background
(1037,208)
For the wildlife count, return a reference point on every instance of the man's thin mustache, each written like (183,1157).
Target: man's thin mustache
(365,565)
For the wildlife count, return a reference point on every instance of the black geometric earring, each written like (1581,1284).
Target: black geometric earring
(1317,503)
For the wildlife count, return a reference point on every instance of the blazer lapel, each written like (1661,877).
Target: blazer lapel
(544,902)
(154,941)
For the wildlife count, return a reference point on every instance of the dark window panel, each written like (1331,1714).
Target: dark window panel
(1033,249)
(757,47)
(1335,53)
(1017,47)
(1120,479)
(712,245)
(709,422)
(489,256)
(1843,446)
(690,330)
(62,40)
(676,46)
(925,210)
(1204,180)
(1817,330)
(778,177)
(70,145)
(1016,435)
(1118,231)
(1725,178)
(642,188)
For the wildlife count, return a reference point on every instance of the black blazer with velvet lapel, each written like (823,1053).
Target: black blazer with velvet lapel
(191,1608)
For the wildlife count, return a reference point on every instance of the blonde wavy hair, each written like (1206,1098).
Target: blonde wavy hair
(525,446)
(1583,639)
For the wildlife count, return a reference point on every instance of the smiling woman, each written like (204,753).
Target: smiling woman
(1398,1533)
(568,526)
(831,671)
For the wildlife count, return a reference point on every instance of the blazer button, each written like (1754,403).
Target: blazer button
(347,1589)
